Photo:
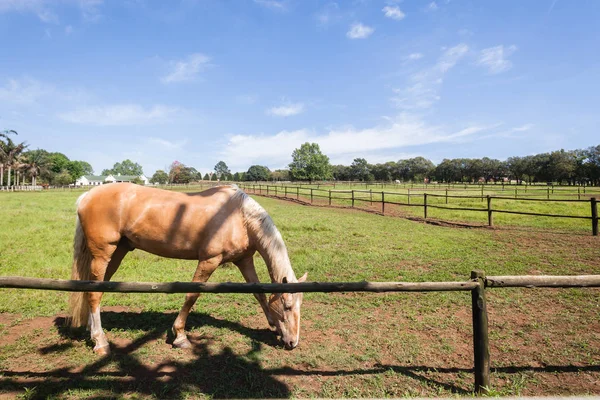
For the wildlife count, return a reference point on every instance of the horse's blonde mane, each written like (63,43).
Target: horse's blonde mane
(269,240)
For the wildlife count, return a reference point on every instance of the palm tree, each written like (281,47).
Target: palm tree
(34,163)
(9,152)
(3,134)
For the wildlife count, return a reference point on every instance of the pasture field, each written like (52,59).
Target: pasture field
(543,341)
(369,196)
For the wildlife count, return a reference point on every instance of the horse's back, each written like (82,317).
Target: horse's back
(163,222)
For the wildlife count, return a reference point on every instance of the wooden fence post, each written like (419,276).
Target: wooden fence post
(489,210)
(516,193)
(285,192)
(352,197)
(329,196)
(408,196)
(382,202)
(481,193)
(594,206)
(371,193)
(548,190)
(578,193)
(275,190)
(425,205)
(481,349)
(311,195)
(446,196)
(267,190)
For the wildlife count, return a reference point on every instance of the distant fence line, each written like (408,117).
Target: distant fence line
(20,188)
(476,285)
(379,197)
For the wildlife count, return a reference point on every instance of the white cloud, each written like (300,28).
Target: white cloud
(345,143)
(188,69)
(24,91)
(166,144)
(68,29)
(414,56)
(286,110)
(359,31)
(43,9)
(120,115)
(432,6)
(329,14)
(523,128)
(494,58)
(272,4)
(422,91)
(393,12)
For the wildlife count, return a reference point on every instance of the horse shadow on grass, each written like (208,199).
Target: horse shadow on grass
(225,374)
(219,375)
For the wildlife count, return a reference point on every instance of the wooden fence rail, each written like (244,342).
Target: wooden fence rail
(354,195)
(476,285)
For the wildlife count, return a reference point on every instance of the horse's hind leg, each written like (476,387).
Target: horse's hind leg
(203,272)
(101,346)
(102,268)
(246,266)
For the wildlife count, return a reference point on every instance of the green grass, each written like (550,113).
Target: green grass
(353,344)
(368,196)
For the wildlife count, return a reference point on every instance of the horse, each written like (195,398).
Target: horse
(219,225)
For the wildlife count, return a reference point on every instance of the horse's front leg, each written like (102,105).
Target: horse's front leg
(203,272)
(246,266)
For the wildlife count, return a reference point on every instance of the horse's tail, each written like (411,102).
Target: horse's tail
(81,270)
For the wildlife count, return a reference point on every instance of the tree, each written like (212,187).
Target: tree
(517,168)
(174,171)
(592,164)
(206,177)
(309,164)
(280,175)
(35,162)
(160,177)
(222,170)
(86,167)
(63,178)
(359,170)
(561,166)
(3,160)
(9,153)
(126,167)
(257,173)
(236,177)
(419,168)
(383,172)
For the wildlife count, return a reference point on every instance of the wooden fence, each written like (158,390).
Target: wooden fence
(476,285)
(354,196)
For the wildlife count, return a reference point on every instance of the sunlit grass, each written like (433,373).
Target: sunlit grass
(348,331)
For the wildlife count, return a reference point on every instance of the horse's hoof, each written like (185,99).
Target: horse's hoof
(102,350)
(182,343)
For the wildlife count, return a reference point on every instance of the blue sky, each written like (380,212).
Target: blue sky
(248,81)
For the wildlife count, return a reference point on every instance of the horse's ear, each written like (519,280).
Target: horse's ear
(284,280)
(303,277)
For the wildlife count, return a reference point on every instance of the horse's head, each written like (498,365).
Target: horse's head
(285,311)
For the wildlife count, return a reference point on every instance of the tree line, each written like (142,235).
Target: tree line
(19,164)
(561,166)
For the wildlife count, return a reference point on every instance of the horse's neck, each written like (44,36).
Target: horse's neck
(275,254)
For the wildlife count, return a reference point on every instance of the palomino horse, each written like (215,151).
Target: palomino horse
(216,226)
